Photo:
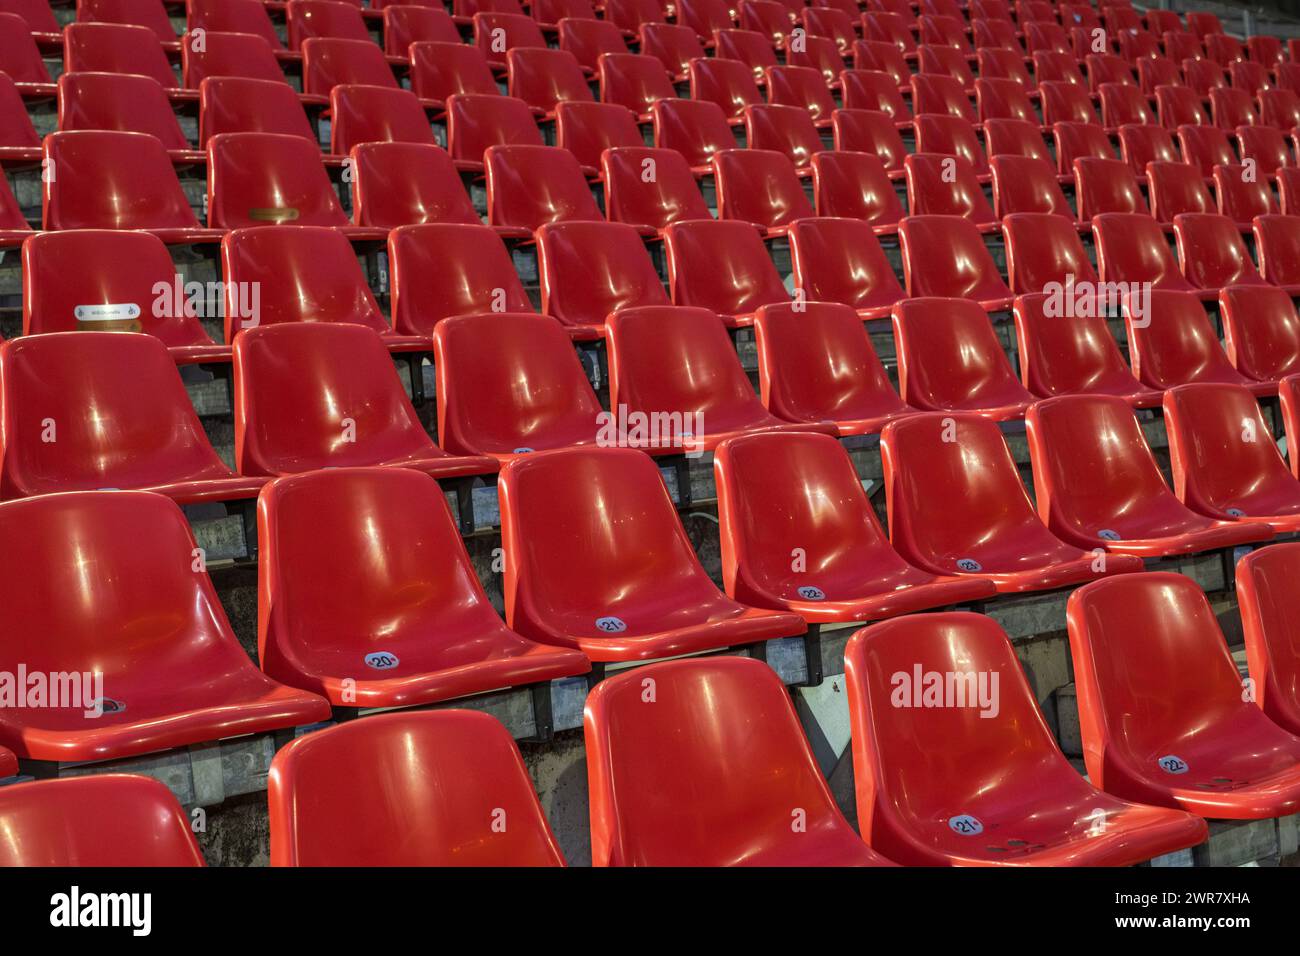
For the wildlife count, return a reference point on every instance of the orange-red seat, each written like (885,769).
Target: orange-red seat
(1261,331)
(722,266)
(240,104)
(945,256)
(1041,249)
(1132,249)
(1266,595)
(650,188)
(530,186)
(840,260)
(402,184)
(375,114)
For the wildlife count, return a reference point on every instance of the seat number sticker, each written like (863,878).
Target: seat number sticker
(810,593)
(969,564)
(1171,763)
(382,660)
(965,824)
(611,625)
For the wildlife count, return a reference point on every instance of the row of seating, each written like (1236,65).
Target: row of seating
(962,773)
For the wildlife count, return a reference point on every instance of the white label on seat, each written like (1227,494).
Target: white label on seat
(382,660)
(611,625)
(965,824)
(1236,512)
(521,451)
(810,593)
(108,312)
(1108,535)
(107,705)
(969,564)
(1171,763)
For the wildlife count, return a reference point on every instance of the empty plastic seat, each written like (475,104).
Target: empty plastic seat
(586,40)
(673,45)
(1052,66)
(766,17)
(94,279)
(1003,99)
(839,260)
(228,54)
(236,104)
(626,607)
(1003,63)
(886,58)
(328,61)
(631,14)
(945,256)
(867,131)
(473,269)
(1173,344)
(475,122)
(635,81)
(1174,189)
(1265,592)
(1200,74)
(37,15)
(1179,106)
(981,781)
(1266,50)
(1277,246)
(1042,249)
(695,128)
(759,186)
(1279,108)
(856,186)
(122,415)
(590,270)
(873,90)
(446,788)
(1205,147)
(375,114)
(942,95)
(1156,71)
(8,763)
(587,129)
(318,394)
(1140,145)
(1261,331)
(1025,185)
(1223,49)
(729,83)
(1073,353)
(112,180)
(1230,108)
(832,23)
(951,136)
(107,48)
(122,102)
(820,54)
(723,267)
(449,643)
(1224,461)
(1077,141)
(1098,485)
(497,33)
(324,18)
(1106,68)
(405,24)
(543,78)
(802,87)
(529,186)
(268,179)
(144,13)
(650,188)
(1266,147)
(946,186)
(397,184)
(1242,194)
(997,535)
(817,365)
(784,129)
(949,358)
(745,818)
(58,823)
(1065,102)
(153,628)
(748,47)
(1211,252)
(1015,138)
(705,17)
(440,70)
(1123,103)
(1191,738)
(1132,249)
(18,138)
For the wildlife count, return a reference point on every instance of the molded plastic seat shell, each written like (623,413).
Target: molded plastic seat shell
(590,270)
(1266,593)
(721,266)
(840,260)
(401,184)
(945,256)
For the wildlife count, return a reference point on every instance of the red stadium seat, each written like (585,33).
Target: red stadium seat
(650,188)
(802,87)
(833,24)
(310,395)
(856,186)
(1025,185)
(1265,50)
(705,17)
(438,781)
(627,608)
(949,359)
(840,260)
(141,13)
(1242,193)
(942,95)
(1003,99)
(1051,66)
(476,274)
(874,90)
(1251,77)
(673,45)
(1074,356)
(1174,344)
(449,643)
(885,58)
(945,256)
(549,13)
(1107,68)
(635,81)
(997,535)
(543,78)
(508,384)
(749,756)
(1174,189)
(1123,103)
(951,136)
(328,61)
(588,129)
(375,114)
(1179,106)
(8,763)
(1003,64)
(1044,36)
(440,70)
(70,276)
(1266,147)
(723,267)
(227,54)
(590,270)
(759,186)
(103,48)
(1131,248)
(890,28)
(1079,141)
(817,365)
(1279,108)
(497,33)
(529,186)
(865,131)
(57,823)
(586,40)
(1189,739)
(1098,485)
(127,424)
(1277,247)
(121,102)
(784,129)
(1223,458)
(267,179)
(1263,589)
(1211,252)
(630,15)
(1139,145)
(1156,71)
(1223,49)
(324,18)
(1261,331)
(1205,147)
(695,128)
(237,104)
(37,15)
(405,24)
(945,61)
(820,54)
(18,138)
(729,83)
(153,628)
(946,786)
(1231,108)
(111,180)
(398,184)
(1200,74)
(1065,102)
(767,18)
(1015,138)
(1041,249)
(946,186)
(748,47)
(475,122)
